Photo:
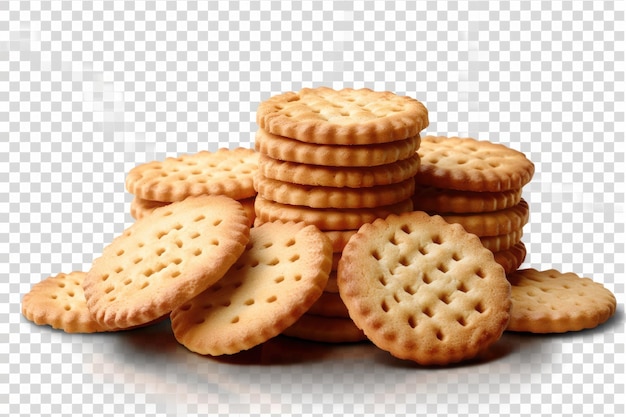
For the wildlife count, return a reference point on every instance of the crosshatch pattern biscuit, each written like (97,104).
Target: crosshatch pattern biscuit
(325,329)
(325,219)
(423,289)
(226,172)
(471,165)
(493,223)
(441,200)
(348,116)
(333,197)
(287,149)
(280,275)
(164,259)
(554,302)
(59,301)
(353,177)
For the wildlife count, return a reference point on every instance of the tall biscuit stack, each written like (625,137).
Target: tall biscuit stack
(477,184)
(336,159)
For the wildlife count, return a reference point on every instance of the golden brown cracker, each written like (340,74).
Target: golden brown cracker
(441,200)
(554,302)
(280,275)
(347,116)
(325,329)
(164,259)
(423,289)
(493,223)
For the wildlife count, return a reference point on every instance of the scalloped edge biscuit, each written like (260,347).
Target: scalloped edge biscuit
(348,116)
(442,200)
(423,289)
(164,259)
(226,172)
(492,223)
(280,275)
(471,165)
(551,301)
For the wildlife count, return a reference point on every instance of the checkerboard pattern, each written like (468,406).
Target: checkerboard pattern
(90,89)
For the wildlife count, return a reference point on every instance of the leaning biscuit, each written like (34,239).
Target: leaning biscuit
(348,116)
(471,165)
(423,289)
(280,275)
(555,302)
(59,301)
(226,172)
(164,259)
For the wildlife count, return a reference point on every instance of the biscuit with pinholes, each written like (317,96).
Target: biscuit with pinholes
(164,259)
(551,301)
(280,275)
(423,289)
(348,116)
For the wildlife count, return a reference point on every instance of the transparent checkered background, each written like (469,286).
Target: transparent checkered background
(90,89)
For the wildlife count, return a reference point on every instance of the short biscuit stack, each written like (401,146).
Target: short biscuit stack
(477,184)
(336,159)
(227,172)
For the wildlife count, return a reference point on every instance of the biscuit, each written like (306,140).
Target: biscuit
(512,258)
(333,197)
(501,242)
(369,155)
(423,289)
(226,172)
(325,219)
(339,238)
(280,275)
(492,223)
(59,301)
(348,116)
(164,259)
(353,177)
(325,329)
(554,302)
(471,165)
(140,207)
(331,285)
(441,200)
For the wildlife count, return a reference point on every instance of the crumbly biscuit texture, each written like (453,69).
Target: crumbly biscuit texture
(329,176)
(423,289)
(164,259)
(554,302)
(287,149)
(280,275)
(471,165)
(226,172)
(59,301)
(348,116)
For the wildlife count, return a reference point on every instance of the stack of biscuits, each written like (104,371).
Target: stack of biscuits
(227,172)
(477,184)
(336,159)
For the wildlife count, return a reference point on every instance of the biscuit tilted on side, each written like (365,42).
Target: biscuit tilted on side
(554,302)
(280,275)
(164,259)
(423,289)
(59,301)
(347,116)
